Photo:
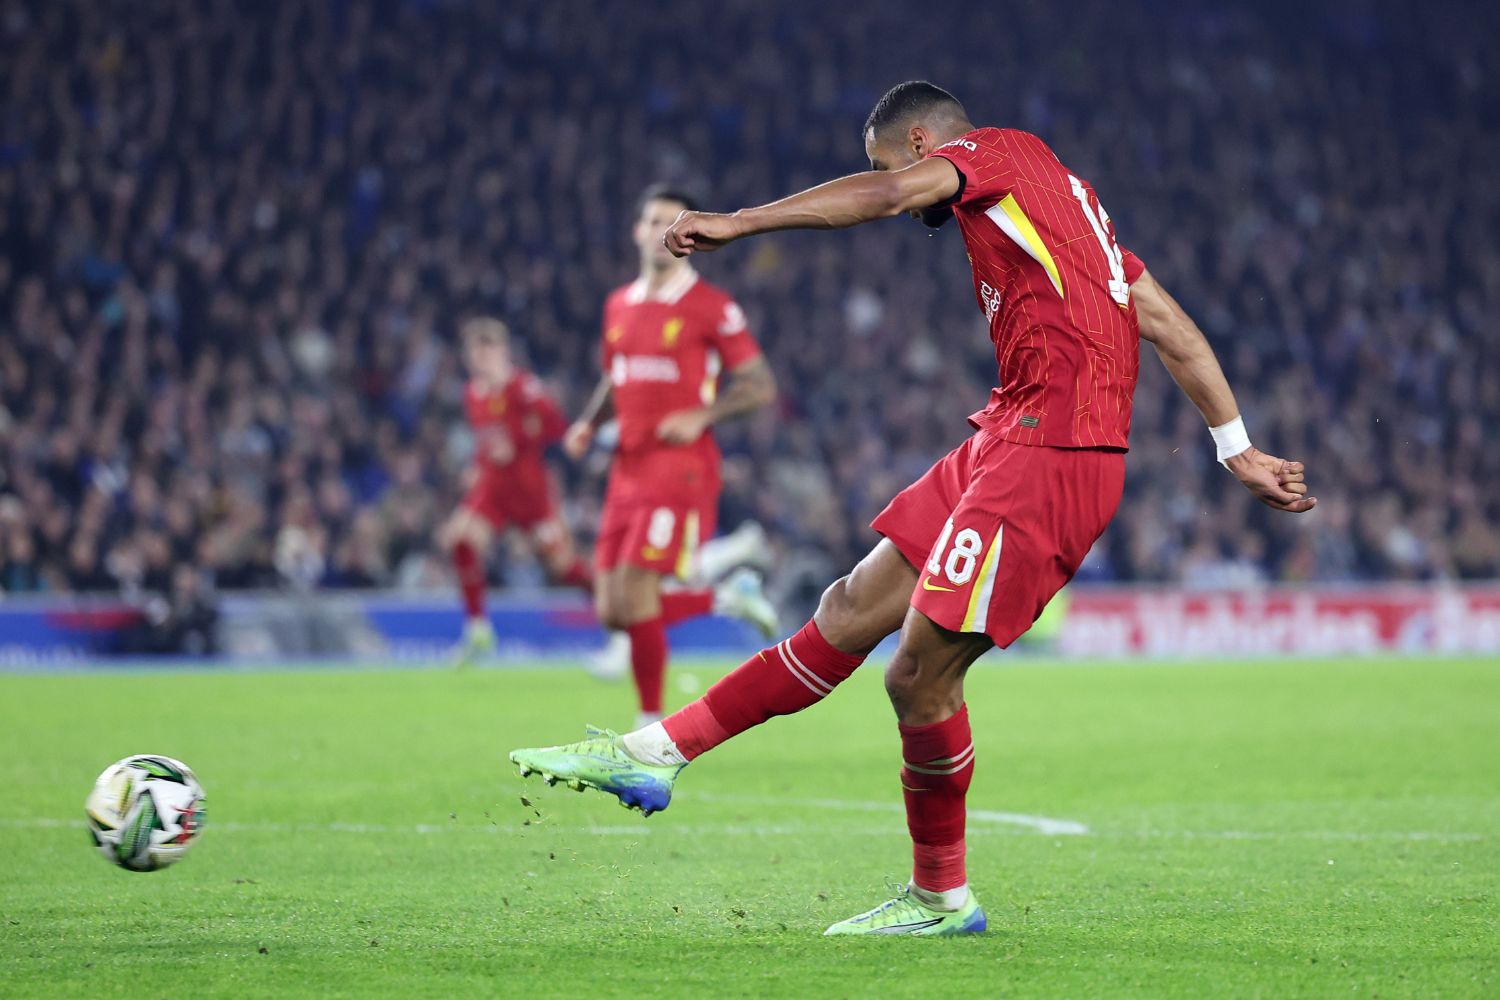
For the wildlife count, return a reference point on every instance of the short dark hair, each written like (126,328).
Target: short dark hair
(911,100)
(665,192)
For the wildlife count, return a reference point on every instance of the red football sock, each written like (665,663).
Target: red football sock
(939,766)
(580,574)
(792,675)
(680,605)
(648,661)
(470,577)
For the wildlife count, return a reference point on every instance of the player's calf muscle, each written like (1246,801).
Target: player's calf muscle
(628,596)
(869,604)
(925,679)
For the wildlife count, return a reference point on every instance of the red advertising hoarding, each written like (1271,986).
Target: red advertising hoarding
(1304,621)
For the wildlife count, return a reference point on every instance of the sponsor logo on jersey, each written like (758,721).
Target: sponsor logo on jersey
(670,331)
(989,297)
(963,143)
(927,584)
(497,405)
(733,321)
(627,368)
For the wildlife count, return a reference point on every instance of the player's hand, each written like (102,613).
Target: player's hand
(577,440)
(702,231)
(1274,481)
(683,427)
(499,448)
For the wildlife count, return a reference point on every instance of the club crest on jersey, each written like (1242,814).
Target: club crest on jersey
(614,333)
(497,405)
(670,331)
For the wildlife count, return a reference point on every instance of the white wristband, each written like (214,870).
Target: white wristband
(1230,439)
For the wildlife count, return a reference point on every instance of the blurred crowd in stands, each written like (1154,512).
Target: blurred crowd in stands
(237,239)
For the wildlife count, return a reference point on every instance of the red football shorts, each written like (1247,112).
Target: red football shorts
(506,502)
(995,529)
(661,538)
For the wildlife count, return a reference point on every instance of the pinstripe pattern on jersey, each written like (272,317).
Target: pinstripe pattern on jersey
(1067,363)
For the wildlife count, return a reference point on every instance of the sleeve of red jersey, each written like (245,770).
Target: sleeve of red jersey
(985,172)
(1134,266)
(731,335)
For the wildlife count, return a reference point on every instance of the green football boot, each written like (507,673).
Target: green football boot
(907,915)
(600,762)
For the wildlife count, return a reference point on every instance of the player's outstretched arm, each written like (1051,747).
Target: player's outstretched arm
(848,201)
(1190,360)
(580,435)
(750,387)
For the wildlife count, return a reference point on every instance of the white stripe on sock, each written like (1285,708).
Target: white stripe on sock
(953,764)
(809,680)
(811,675)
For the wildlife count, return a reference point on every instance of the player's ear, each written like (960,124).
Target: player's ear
(916,138)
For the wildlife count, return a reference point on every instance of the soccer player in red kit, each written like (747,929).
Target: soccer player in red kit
(977,546)
(514,420)
(668,336)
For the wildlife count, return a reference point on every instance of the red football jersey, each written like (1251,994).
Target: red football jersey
(1055,288)
(663,354)
(513,425)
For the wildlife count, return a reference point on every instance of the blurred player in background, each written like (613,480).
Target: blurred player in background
(514,420)
(974,550)
(668,338)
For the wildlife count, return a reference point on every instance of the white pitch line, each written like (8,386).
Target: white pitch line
(1041,824)
(1356,835)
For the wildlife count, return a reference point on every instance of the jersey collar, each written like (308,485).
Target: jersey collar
(671,293)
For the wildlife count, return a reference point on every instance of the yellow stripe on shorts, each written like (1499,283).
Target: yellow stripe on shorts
(977,617)
(689,547)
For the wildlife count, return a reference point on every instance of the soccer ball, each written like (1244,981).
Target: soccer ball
(145,812)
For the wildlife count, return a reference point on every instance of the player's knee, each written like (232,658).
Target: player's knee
(606,607)
(852,619)
(902,681)
(837,614)
(463,529)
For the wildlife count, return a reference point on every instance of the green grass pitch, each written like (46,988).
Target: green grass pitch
(1322,829)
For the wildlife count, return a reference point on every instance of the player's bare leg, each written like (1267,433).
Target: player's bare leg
(467,536)
(628,599)
(632,599)
(553,544)
(640,768)
(726,579)
(925,682)
(853,616)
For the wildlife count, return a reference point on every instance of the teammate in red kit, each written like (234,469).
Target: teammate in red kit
(975,549)
(667,337)
(514,420)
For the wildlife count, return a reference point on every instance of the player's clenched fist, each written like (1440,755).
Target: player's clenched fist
(700,231)
(577,439)
(1274,481)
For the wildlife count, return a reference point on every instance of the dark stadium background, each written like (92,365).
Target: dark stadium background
(237,238)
